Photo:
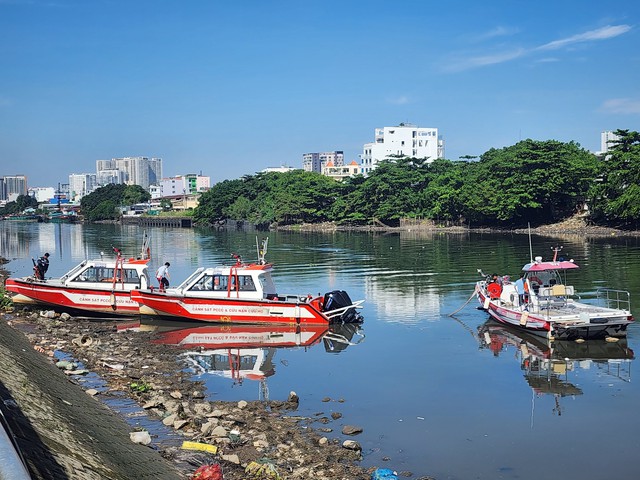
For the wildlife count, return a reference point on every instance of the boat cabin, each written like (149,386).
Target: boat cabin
(248,281)
(95,273)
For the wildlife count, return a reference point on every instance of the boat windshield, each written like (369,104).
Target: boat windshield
(191,278)
(545,278)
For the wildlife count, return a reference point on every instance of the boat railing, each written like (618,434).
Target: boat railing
(616,299)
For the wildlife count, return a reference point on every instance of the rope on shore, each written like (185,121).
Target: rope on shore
(465,303)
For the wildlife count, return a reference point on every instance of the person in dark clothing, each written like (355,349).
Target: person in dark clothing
(42,265)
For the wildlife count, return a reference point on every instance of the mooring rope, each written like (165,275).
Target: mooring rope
(465,303)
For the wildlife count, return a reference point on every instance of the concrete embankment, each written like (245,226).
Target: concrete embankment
(62,432)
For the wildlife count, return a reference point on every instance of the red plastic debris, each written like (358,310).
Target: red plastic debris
(208,472)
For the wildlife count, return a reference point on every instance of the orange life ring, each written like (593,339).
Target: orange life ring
(494,290)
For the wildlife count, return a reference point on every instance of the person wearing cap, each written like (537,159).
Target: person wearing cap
(162,274)
(42,266)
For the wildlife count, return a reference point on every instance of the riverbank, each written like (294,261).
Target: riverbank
(70,440)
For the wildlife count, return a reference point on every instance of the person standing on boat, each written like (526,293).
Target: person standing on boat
(42,266)
(162,274)
(519,284)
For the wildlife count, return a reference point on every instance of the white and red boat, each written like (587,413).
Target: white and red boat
(244,293)
(550,307)
(98,287)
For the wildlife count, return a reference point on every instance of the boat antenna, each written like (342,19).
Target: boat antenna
(530,248)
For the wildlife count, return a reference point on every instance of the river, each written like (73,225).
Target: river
(449,397)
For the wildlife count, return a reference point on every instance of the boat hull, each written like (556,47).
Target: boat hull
(108,301)
(545,325)
(227,310)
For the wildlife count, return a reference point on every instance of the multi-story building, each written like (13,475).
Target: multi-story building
(190,184)
(81,184)
(42,194)
(606,138)
(341,172)
(405,140)
(143,171)
(315,162)
(12,186)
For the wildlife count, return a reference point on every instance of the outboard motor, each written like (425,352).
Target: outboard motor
(340,299)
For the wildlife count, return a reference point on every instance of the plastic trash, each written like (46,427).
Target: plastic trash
(384,474)
(208,472)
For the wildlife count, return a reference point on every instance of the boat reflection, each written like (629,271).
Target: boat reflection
(243,351)
(548,366)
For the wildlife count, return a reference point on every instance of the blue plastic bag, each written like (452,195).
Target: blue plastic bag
(384,474)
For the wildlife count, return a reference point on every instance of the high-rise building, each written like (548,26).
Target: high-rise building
(141,171)
(12,186)
(405,140)
(315,162)
(606,138)
(81,184)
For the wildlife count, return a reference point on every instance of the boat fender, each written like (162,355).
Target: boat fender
(494,290)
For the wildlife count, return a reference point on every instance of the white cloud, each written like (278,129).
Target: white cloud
(604,33)
(497,32)
(399,100)
(621,105)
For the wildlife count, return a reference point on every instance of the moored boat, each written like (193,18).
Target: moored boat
(98,287)
(548,306)
(244,293)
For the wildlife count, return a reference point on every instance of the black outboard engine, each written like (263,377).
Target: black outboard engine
(340,299)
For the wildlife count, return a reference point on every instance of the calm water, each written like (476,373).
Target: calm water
(435,394)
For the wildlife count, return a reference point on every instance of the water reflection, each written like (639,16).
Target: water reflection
(549,367)
(246,352)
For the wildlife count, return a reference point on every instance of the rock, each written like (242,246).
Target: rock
(178,424)
(176,394)
(351,430)
(65,316)
(66,365)
(202,409)
(92,392)
(168,421)
(351,445)
(326,399)
(231,458)
(219,432)
(336,415)
(323,441)
(242,404)
(143,438)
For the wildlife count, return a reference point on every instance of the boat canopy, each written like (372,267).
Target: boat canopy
(542,266)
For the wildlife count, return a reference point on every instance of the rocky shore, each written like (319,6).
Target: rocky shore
(249,439)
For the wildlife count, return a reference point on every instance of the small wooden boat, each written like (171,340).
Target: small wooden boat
(549,306)
(97,287)
(244,293)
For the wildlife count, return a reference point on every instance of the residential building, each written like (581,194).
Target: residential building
(341,172)
(81,184)
(12,186)
(42,194)
(404,140)
(606,138)
(143,171)
(315,162)
(190,184)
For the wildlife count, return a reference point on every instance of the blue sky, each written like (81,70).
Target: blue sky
(230,88)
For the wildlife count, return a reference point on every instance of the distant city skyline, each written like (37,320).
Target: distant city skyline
(230,89)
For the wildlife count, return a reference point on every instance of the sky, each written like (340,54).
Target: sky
(229,88)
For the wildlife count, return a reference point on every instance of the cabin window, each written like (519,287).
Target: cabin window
(224,282)
(102,274)
(205,283)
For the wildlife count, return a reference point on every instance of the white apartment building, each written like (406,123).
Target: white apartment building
(405,140)
(605,138)
(315,162)
(42,194)
(81,184)
(184,185)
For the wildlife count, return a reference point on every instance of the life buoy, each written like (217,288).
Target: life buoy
(494,290)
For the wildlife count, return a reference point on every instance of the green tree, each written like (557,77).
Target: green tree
(615,198)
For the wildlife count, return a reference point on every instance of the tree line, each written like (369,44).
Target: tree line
(536,182)
(531,182)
